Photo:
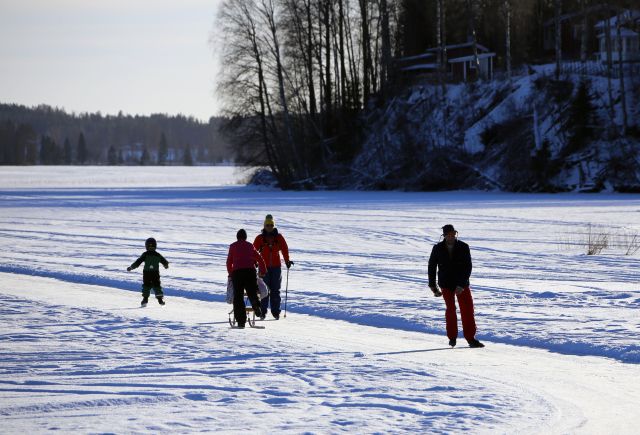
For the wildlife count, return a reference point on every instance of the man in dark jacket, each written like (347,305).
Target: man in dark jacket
(452,260)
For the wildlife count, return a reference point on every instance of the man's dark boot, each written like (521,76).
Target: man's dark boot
(475,343)
(452,342)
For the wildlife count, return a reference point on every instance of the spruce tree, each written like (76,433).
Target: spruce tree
(580,121)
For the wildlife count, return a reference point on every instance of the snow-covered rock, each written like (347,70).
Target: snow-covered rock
(533,133)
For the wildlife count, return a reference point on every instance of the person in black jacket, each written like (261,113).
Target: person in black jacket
(452,260)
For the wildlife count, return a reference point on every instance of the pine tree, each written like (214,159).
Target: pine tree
(82,153)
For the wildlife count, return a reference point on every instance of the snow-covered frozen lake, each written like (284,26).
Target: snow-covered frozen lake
(363,346)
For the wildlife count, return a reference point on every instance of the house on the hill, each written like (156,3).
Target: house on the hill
(461,65)
(628,43)
(572,30)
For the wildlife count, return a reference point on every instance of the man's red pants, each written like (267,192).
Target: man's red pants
(465,301)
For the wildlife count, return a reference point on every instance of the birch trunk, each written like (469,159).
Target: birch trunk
(328,99)
(507,11)
(310,47)
(268,10)
(558,10)
(343,69)
(366,51)
(385,70)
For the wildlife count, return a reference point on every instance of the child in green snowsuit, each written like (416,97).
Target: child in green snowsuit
(151,271)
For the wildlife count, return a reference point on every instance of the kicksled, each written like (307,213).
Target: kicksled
(263,292)
(251,315)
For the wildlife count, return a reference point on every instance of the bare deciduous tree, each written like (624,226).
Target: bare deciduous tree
(296,73)
(558,37)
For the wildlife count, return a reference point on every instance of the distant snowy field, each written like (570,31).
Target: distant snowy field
(111,177)
(363,346)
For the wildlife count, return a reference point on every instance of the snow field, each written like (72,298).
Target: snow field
(363,347)
(84,359)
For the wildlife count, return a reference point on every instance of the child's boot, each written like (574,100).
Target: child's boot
(144,302)
(160,300)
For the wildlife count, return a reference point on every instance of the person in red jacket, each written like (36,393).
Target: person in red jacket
(241,265)
(269,244)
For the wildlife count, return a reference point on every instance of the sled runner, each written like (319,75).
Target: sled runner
(251,315)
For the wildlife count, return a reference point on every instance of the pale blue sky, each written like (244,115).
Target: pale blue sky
(138,56)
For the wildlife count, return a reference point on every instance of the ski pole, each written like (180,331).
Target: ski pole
(286,291)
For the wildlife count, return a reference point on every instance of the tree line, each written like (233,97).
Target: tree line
(300,76)
(51,136)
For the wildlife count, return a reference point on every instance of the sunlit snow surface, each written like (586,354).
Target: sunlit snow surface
(363,345)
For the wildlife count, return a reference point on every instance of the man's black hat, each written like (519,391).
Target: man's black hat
(447,229)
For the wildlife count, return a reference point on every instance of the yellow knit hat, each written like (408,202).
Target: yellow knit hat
(268,220)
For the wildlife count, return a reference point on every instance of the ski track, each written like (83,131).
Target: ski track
(165,369)
(369,256)
(83,358)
